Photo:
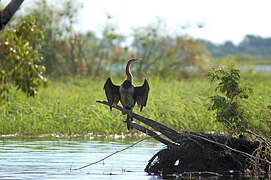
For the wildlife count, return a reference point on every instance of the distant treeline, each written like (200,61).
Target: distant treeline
(63,51)
(252,45)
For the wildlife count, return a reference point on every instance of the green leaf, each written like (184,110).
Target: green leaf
(21,62)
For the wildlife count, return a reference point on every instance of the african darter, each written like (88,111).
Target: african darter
(127,93)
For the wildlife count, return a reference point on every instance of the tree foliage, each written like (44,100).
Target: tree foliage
(255,46)
(21,58)
(60,45)
(67,52)
(229,107)
(167,55)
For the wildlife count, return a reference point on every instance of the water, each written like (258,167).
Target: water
(263,69)
(55,159)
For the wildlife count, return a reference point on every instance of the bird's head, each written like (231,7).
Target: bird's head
(132,60)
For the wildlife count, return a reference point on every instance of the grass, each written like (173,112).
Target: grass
(68,107)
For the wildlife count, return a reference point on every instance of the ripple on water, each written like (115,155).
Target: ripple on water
(54,159)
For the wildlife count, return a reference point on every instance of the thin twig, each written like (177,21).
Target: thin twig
(228,147)
(259,137)
(75,169)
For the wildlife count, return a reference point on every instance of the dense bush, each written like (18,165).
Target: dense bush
(21,59)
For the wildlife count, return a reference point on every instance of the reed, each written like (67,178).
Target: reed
(68,107)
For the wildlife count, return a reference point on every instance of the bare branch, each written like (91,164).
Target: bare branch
(154,135)
(226,147)
(168,132)
(147,131)
(8,12)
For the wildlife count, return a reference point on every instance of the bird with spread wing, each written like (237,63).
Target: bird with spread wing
(127,94)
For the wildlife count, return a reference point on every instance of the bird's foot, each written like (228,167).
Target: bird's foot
(129,122)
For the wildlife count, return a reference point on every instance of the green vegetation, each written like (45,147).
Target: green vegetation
(181,96)
(254,46)
(20,54)
(62,108)
(68,107)
(68,53)
(229,109)
(174,64)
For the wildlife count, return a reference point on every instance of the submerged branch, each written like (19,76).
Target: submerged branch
(75,169)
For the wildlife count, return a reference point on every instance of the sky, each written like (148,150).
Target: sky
(222,20)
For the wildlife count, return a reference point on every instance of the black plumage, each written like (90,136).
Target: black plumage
(127,93)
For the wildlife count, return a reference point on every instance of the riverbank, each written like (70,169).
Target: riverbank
(68,107)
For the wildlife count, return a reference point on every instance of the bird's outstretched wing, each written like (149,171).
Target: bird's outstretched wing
(111,92)
(141,94)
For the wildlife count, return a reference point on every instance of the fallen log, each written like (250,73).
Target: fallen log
(206,153)
(200,152)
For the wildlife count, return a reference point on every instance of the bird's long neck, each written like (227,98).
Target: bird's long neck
(129,75)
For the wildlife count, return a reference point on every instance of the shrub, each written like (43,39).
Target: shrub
(228,107)
(20,64)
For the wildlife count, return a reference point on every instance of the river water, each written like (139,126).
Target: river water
(55,158)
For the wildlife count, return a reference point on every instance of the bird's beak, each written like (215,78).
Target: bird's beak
(134,59)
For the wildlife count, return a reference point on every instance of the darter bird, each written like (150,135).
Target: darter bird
(127,94)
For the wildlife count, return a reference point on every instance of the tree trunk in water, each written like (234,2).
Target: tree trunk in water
(201,153)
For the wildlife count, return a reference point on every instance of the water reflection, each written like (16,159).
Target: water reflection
(54,159)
